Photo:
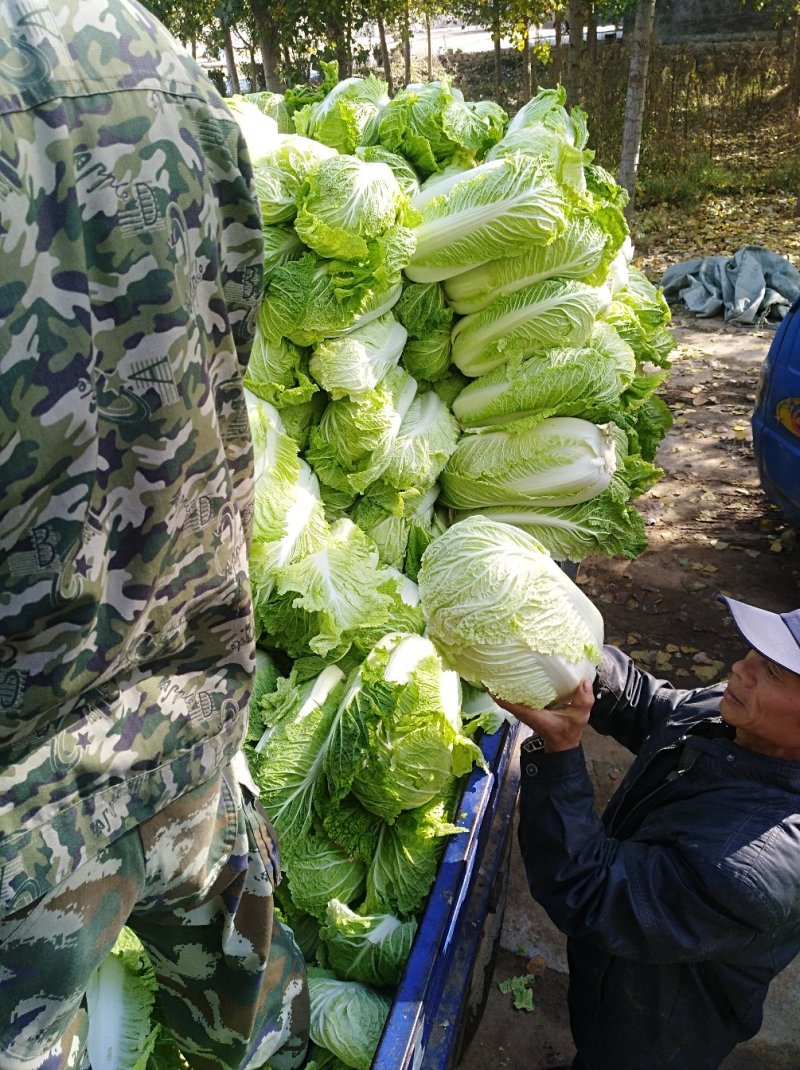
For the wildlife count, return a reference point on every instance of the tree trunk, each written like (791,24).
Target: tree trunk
(576,15)
(794,79)
(252,69)
(338,33)
(430,46)
(270,61)
(591,34)
(526,61)
(406,36)
(230,60)
(268,43)
(556,48)
(498,72)
(635,101)
(385,57)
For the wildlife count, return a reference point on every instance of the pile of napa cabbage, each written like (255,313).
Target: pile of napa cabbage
(454,380)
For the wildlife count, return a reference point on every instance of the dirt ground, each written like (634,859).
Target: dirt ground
(711,530)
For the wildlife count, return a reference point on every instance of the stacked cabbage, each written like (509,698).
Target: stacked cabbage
(451,328)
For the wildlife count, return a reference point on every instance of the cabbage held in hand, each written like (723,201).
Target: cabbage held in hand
(503,615)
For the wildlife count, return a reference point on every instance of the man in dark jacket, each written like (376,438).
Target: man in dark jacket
(683,902)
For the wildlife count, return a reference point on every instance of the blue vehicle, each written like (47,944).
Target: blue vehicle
(776,419)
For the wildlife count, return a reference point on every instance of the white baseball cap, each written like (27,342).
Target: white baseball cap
(775,635)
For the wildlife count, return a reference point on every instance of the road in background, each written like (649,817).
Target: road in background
(451,34)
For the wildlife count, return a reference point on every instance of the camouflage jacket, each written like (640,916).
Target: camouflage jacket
(130,273)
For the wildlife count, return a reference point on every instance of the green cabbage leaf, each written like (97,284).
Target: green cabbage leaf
(533,320)
(497,209)
(347,116)
(504,615)
(371,948)
(347,1018)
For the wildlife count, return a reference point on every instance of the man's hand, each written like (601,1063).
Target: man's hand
(560,725)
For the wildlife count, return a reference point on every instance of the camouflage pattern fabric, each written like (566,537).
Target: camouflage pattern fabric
(192,882)
(132,269)
(131,257)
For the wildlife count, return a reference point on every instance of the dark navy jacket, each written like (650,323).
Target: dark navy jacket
(683,901)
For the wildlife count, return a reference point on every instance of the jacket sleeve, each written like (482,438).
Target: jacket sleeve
(629,703)
(642,901)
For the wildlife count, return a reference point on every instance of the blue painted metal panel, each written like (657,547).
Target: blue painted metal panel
(776,419)
(426,994)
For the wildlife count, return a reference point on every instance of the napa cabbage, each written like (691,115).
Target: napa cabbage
(560,382)
(403,865)
(428,358)
(347,116)
(281,243)
(650,342)
(288,516)
(422,308)
(402,170)
(428,124)
(370,948)
(280,171)
(352,444)
(260,131)
(547,108)
(494,118)
(405,613)
(504,615)
(411,708)
(311,298)
(400,524)
(330,593)
(425,314)
(550,313)
(120,996)
(317,871)
(496,209)
(426,439)
(345,203)
(606,524)
(560,461)
(580,251)
(566,161)
(347,1018)
(273,105)
(287,762)
(355,363)
(278,372)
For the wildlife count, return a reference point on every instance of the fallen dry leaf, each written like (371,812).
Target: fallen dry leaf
(709,672)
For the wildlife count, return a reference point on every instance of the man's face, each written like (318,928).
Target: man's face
(762,702)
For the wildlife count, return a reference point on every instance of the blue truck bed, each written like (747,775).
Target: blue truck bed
(441,994)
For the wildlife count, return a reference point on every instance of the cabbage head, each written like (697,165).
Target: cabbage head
(370,948)
(344,203)
(347,116)
(279,172)
(347,1018)
(503,615)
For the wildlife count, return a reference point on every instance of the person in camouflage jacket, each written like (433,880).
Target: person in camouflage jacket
(130,274)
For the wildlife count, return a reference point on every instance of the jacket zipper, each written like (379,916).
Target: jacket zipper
(686,761)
